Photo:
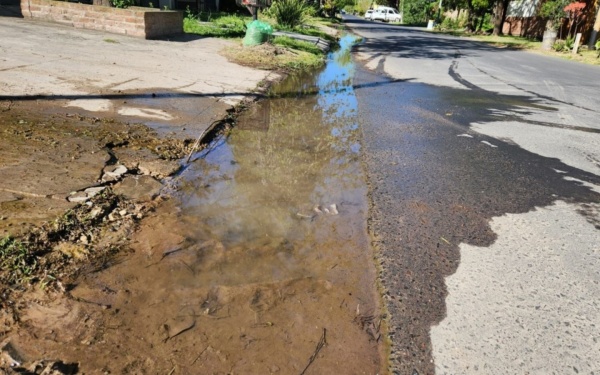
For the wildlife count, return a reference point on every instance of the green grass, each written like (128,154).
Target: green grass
(298,45)
(17,263)
(284,52)
(218,25)
(516,42)
(312,30)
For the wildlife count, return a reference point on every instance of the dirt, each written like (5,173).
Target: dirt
(114,284)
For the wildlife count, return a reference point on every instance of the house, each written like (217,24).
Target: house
(522,19)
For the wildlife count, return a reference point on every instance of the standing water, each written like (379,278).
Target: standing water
(264,266)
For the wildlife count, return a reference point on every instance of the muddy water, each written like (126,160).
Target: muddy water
(281,203)
(259,264)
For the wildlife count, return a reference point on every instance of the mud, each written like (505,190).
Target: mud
(48,154)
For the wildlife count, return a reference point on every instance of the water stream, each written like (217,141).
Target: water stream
(284,192)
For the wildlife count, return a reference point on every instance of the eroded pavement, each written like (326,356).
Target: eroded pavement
(179,265)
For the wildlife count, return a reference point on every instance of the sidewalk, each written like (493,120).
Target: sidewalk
(103,72)
(65,93)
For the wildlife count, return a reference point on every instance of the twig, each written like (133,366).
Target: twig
(197,143)
(320,346)
(199,355)
(180,332)
(103,305)
(172,371)
(169,252)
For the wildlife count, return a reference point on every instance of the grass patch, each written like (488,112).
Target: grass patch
(312,30)
(282,52)
(509,41)
(218,25)
(298,45)
(271,57)
(584,55)
(17,263)
(108,40)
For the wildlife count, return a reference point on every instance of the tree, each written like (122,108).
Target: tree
(476,8)
(416,11)
(574,11)
(595,30)
(501,10)
(553,11)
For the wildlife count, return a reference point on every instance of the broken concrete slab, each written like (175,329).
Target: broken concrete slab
(140,188)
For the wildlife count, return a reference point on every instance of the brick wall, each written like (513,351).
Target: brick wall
(531,27)
(140,22)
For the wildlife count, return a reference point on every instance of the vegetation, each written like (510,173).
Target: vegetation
(553,11)
(288,13)
(219,25)
(281,52)
(17,263)
(299,45)
(122,3)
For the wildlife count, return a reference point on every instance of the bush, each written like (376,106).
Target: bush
(559,46)
(450,24)
(288,13)
(570,43)
(122,3)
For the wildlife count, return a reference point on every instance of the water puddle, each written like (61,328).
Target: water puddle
(261,263)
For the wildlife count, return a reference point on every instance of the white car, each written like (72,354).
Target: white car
(368,14)
(386,14)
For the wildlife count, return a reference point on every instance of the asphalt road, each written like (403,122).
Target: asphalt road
(484,167)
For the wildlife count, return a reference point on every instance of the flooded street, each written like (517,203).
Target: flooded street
(260,262)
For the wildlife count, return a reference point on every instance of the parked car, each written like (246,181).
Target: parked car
(386,14)
(368,14)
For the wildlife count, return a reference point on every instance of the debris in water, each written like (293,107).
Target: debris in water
(333,209)
(329,210)
(465,135)
(320,346)
(178,325)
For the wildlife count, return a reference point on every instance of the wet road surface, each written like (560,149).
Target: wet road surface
(457,135)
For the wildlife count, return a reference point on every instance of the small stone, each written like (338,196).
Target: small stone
(95,212)
(94,191)
(83,239)
(78,197)
(123,212)
(114,173)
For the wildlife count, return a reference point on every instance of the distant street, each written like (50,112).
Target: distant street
(484,166)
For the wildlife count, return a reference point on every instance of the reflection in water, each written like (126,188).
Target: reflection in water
(256,193)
